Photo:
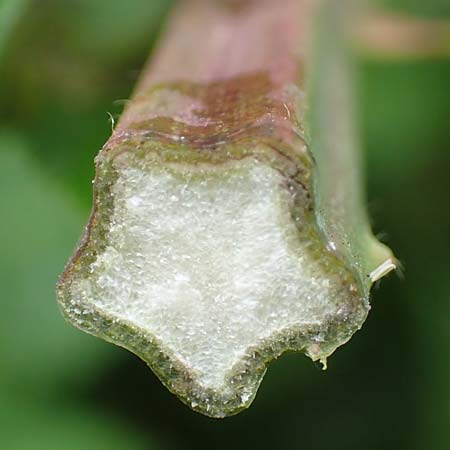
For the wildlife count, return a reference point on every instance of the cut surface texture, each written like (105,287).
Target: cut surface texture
(208,272)
(209,261)
(221,235)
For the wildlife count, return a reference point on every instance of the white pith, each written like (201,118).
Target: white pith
(209,261)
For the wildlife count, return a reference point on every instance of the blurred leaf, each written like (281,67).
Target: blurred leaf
(33,426)
(435,371)
(114,29)
(430,8)
(407,130)
(40,225)
(10,12)
(406,114)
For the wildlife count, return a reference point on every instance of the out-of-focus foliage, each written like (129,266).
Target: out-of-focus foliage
(10,12)
(38,216)
(62,66)
(32,425)
(431,8)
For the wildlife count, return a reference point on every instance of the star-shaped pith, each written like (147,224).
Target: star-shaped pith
(208,271)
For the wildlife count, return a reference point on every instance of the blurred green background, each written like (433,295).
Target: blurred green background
(63,66)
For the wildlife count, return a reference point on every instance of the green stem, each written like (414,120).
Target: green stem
(221,236)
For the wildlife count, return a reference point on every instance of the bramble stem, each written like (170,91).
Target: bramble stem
(228,223)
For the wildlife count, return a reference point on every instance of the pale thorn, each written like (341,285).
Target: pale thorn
(111,119)
(382,270)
